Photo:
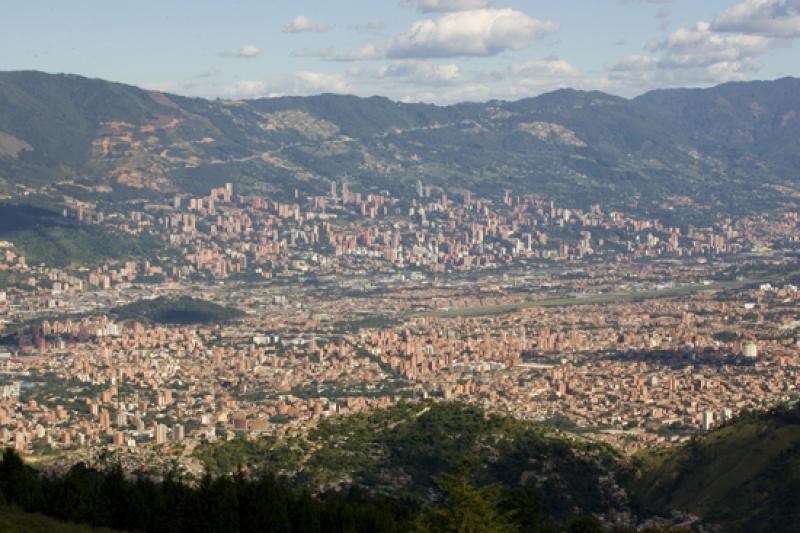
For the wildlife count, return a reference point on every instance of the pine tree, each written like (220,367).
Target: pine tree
(468,509)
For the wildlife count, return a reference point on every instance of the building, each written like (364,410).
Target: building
(708,420)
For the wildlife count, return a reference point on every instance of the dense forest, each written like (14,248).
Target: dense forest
(467,471)
(263,503)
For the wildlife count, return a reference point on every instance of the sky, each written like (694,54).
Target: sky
(439,51)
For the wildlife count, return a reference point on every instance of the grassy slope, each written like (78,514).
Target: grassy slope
(746,475)
(15,521)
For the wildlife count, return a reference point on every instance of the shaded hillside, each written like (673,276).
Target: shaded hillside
(745,475)
(15,521)
(735,146)
(183,310)
(401,451)
(44,236)
(263,504)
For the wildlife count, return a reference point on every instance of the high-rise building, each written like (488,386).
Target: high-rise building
(161,434)
(708,420)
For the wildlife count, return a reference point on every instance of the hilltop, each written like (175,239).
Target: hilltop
(401,451)
(183,310)
(735,146)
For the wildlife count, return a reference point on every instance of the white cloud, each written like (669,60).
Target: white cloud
(413,72)
(302,24)
(246,51)
(477,33)
(544,68)
(773,18)
(634,62)
(446,6)
(295,84)
(471,92)
(701,47)
(541,75)
(692,56)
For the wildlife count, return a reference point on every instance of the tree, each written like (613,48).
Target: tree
(468,509)
(17,482)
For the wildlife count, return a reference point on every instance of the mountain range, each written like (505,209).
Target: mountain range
(734,147)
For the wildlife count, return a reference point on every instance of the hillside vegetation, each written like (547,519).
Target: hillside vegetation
(745,475)
(182,310)
(403,450)
(44,236)
(439,467)
(735,146)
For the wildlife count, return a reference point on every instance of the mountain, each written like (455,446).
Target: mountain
(735,146)
(744,476)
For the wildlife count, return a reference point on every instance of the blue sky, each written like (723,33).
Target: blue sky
(413,50)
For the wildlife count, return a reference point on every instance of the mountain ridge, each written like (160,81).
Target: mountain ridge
(710,146)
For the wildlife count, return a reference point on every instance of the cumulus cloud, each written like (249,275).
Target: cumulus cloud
(295,84)
(773,18)
(469,92)
(700,47)
(446,6)
(302,24)
(414,72)
(544,67)
(692,56)
(246,51)
(476,33)
(536,76)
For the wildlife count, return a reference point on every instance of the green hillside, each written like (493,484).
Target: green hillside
(183,310)
(745,475)
(427,466)
(735,146)
(403,450)
(44,236)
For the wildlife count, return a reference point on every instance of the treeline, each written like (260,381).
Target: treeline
(223,504)
(264,504)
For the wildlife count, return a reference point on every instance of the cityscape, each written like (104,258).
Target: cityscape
(419,266)
(622,327)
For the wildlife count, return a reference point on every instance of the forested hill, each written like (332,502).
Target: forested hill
(743,477)
(735,146)
(440,467)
